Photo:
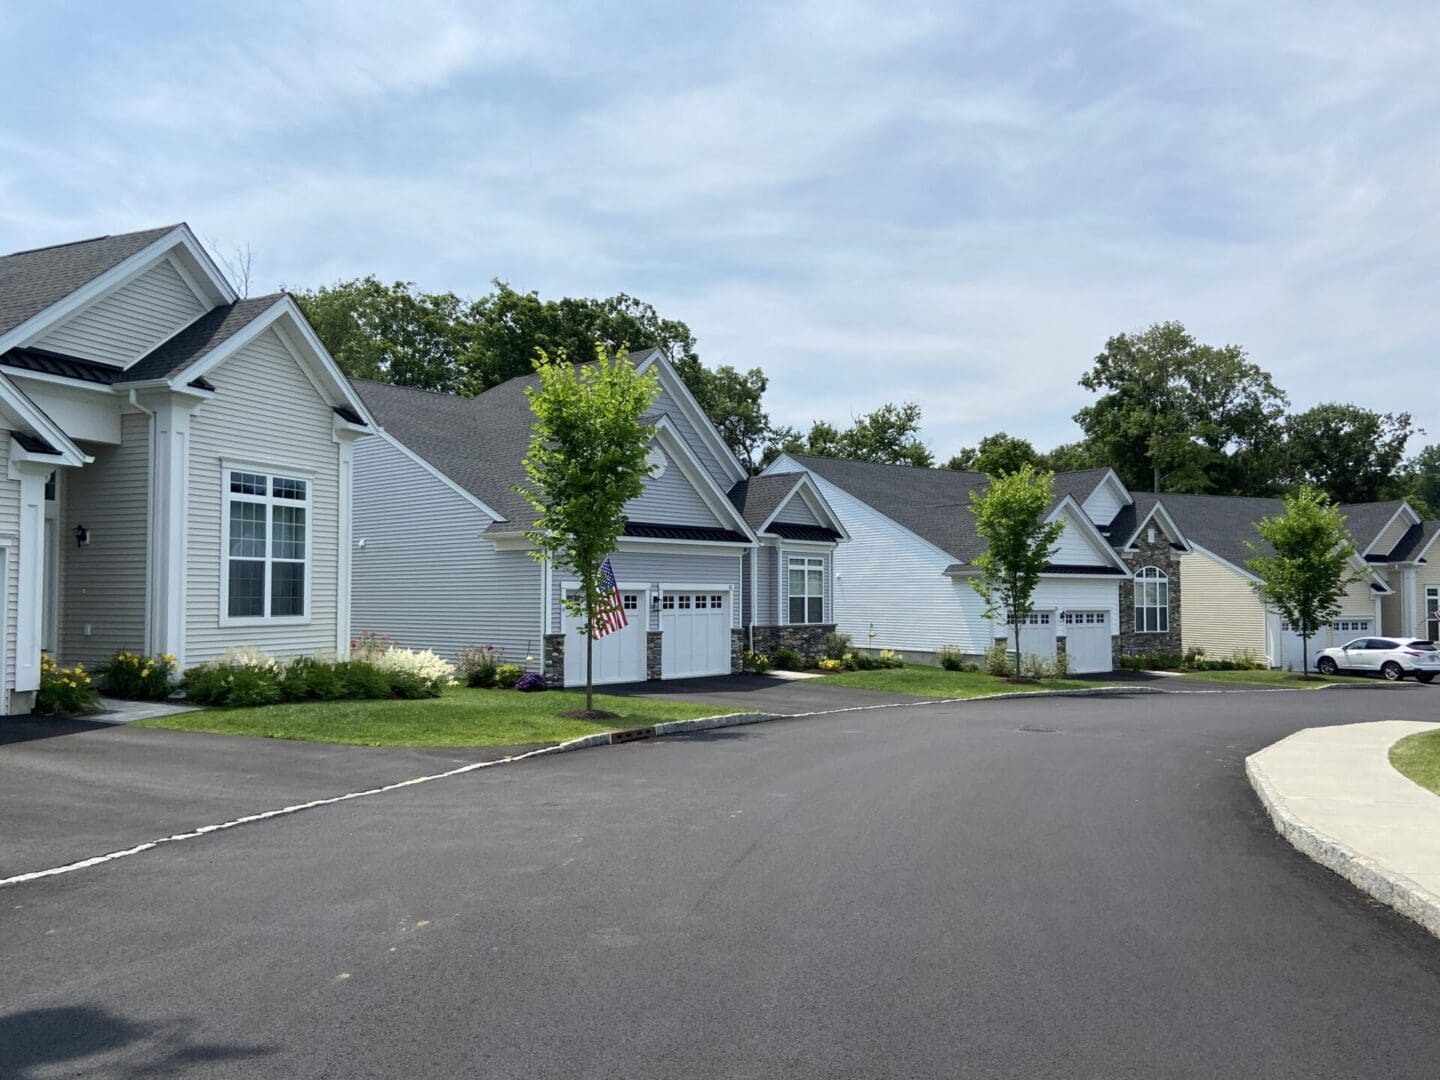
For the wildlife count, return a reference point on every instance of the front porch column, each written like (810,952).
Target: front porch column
(169,502)
(29,556)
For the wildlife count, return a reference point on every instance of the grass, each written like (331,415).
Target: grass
(460,717)
(921,680)
(1273,677)
(1418,757)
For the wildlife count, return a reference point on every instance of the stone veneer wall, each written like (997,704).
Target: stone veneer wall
(653,657)
(737,649)
(554,660)
(805,640)
(1159,554)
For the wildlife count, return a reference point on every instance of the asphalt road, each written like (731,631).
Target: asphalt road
(1073,887)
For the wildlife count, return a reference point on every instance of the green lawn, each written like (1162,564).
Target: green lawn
(933,682)
(1418,757)
(1272,677)
(461,717)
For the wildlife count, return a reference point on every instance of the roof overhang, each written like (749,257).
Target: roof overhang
(1078,517)
(19,413)
(674,385)
(1403,511)
(806,489)
(1158,511)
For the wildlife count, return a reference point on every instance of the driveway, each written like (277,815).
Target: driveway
(762,693)
(1067,887)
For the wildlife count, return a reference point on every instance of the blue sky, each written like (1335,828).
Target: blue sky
(948,203)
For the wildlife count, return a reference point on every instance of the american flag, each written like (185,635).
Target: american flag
(612,616)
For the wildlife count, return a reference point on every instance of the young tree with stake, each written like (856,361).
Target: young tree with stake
(586,461)
(1307,569)
(1010,517)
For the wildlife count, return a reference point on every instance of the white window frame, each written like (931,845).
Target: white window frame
(268,500)
(806,563)
(1155,576)
(1432,593)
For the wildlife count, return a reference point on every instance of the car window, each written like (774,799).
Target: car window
(1383,643)
(1358,643)
(1422,646)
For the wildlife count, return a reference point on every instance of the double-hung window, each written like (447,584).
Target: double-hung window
(267,546)
(1152,601)
(807,590)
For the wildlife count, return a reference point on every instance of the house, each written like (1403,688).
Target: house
(903,580)
(712,562)
(177,464)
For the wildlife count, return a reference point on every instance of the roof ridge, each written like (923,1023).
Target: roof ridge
(415,389)
(88,240)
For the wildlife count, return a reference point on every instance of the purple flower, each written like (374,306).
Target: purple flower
(530,682)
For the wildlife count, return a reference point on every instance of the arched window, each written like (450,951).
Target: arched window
(1152,601)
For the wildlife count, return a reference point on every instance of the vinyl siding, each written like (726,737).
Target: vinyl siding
(103,583)
(670,499)
(1392,619)
(653,568)
(131,321)
(10,530)
(266,413)
(766,583)
(1074,549)
(1101,505)
(1219,612)
(1359,601)
(424,577)
(1390,536)
(796,511)
(667,406)
(1427,574)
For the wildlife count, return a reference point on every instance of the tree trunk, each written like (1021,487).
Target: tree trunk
(1155,472)
(1017,647)
(589,672)
(1305,656)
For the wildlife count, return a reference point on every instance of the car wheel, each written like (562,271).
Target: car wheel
(1392,671)
(1326,665)
(1424,678)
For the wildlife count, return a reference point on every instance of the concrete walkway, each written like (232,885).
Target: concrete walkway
(1333,793)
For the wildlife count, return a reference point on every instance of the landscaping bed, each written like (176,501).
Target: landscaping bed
(920,680)
(460,716)
(1418,758)
(1273,677)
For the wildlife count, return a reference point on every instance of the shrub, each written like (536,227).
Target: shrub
(138,678)
(1035,666)
(368,644)
(848,662)
(531,682)
(476,667)
(1245,661)
(221,683)
(950,658)
(997,659)
(1153,662)
(414,674)
(759,663)
(507,675)
(889,658)
(788,659)
(65,691)
(1060,665)
(827,664)
(864,662)
(362,680)
(308,679)
(834,646)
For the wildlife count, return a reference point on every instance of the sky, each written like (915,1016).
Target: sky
(954,204)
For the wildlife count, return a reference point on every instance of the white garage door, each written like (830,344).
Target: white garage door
(1087,641)
(695,630)
(619,656)
(1037,634)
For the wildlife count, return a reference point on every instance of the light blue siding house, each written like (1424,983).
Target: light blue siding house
(176,462)
(442,562)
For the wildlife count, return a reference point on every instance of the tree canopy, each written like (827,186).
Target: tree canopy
(996,455)
(1352,453)
(890,435)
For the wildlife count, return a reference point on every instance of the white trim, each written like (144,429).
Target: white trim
(120,274)
(670,379)
(16,402)
(1401,509)
(1197,549)
(623,586)
(345,545)
(808,545)
(269,501)
(1176,535)
(810,493)
(692,586)
(438,475)
(805,558)
(30,571)
(59,380)
(1089,529)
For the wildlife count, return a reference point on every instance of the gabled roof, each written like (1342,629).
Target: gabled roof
(760,498)
(31,281)
(200,338)
(1367,520)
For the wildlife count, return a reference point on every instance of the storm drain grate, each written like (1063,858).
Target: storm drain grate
(633,734)
(1038,730)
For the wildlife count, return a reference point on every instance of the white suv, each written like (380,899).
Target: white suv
(1382,656)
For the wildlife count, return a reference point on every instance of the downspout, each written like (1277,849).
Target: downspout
(149,509)
(754,598)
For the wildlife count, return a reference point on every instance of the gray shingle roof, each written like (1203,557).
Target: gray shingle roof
(31,281)
(1365,520)
(204,335)
(758,496)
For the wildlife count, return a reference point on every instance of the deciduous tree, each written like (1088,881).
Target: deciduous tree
(996,454)
(1347,451)
(587,460)
(1010,515)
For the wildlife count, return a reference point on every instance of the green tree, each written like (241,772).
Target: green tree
(586,461)
(995,455)
(392,333)
(1347,451)
(1179,415)
(890,435)
(1010,517)
(1421,479)
(1074,456)
(1304,568)
(732,400)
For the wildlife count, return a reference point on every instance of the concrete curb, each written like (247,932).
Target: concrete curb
(1387,886)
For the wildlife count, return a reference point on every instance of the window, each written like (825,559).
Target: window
(1347,626)
(267,543)
(1084,618)
(1152,601)
(630,601)
(1432,612)
(807,590)
(667,602)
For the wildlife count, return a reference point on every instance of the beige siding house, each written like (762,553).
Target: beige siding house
(177,462)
